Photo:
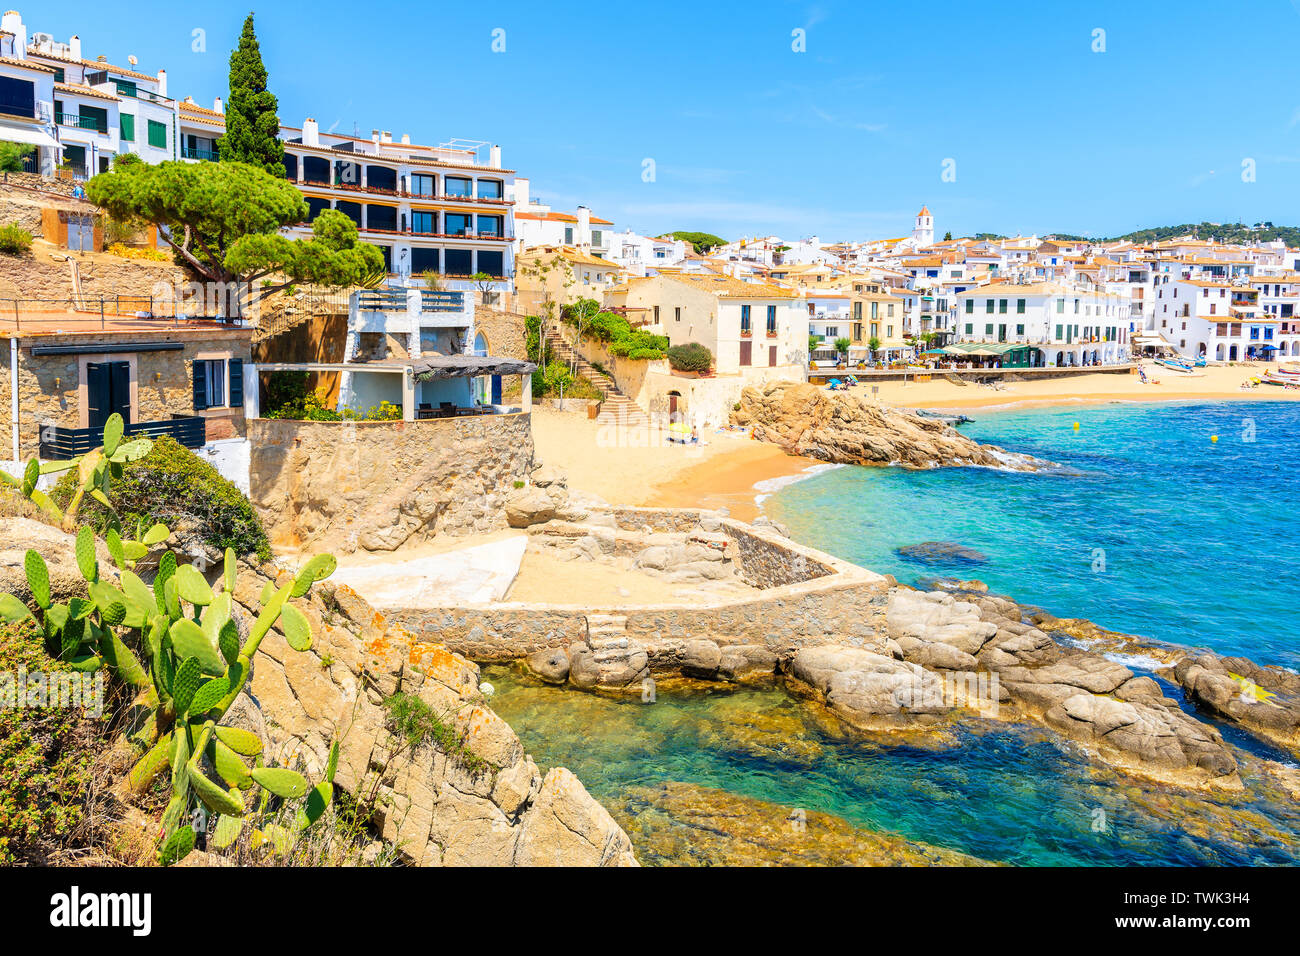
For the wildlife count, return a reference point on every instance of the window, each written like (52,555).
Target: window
(988,329)
(1020,306)
(970,328)
(988,306)
(744,320)
(127,128)
(59,76)
(677,313)
(1002,306)
(458,262)
(875,310)
(422,184)
(457,186)
(596,238)
(970,306)
(157,134)
(491,261)
(1020,329)
(423,260)
(455,223)
(18,97)
(125,88)
(568,235)
(210,383)
(489,189)
(889,331)
(490,226)
(771,320)
(889,310)
(424,221)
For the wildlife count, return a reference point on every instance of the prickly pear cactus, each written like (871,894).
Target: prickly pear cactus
(178,644)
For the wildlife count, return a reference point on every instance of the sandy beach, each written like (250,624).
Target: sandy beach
(1218,382)
(631,468)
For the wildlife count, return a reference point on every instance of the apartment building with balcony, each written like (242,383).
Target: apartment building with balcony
(1055,324)
(91,110)
(1217,318)
(430,210)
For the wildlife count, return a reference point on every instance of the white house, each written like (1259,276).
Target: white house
(1066,326)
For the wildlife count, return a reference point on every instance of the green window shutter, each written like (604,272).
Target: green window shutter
(157,134)
(128,128)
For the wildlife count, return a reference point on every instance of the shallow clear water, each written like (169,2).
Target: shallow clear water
(999,793)
(1152,529)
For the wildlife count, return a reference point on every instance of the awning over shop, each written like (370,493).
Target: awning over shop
(12,133)
(988,349)
(436,367)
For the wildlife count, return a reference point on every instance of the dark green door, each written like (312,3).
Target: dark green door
(108,390)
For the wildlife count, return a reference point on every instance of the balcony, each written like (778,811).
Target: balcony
(435,197)
(191,152)
(59,443)
(77,121)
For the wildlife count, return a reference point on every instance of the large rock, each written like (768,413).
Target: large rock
(866,689)
(529,506)
(934,616)
(1263,700)
(843,427)
(566,827)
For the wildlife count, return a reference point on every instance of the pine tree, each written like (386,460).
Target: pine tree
(251,121)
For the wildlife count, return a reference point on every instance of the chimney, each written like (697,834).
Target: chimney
(74,44)
(218,106)
(13,22)
(162,82)
(494,157)
(406,139)
(310,134)
(385,136)
(584,227)
(101,59)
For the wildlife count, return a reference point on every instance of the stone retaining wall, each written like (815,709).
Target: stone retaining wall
(340,486)
(808,596)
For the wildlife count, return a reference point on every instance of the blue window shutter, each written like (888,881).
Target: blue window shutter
(236,393)
(200,386)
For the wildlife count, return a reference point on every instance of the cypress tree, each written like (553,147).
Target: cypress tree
(252,124)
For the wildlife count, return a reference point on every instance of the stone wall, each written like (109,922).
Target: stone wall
(808,596)
(50,386)
(341,486)
(504,332)
(43,276)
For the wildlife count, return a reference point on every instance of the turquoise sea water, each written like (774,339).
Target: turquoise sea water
(1151,528)
(1000,793)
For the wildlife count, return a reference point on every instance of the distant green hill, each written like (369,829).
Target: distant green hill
(1229,232)
(701,241)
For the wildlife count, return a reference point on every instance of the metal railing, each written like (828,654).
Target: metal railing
(59,443)
(77,121)
(191,152)
(97,312)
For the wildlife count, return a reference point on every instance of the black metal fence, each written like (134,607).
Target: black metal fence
(59,443)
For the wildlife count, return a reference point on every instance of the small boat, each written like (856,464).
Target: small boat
(1290,368)
(1200,361)
(1272,378)
(1175,365)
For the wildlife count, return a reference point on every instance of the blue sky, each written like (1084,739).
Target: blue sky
(844,140)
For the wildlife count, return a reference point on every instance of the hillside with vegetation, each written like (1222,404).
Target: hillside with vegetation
(1234,233)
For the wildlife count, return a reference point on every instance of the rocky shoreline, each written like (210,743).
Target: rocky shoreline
(844,428)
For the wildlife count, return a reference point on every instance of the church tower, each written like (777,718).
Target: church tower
(924,231)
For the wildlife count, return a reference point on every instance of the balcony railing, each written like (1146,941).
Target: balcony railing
(191,152)
(61,443)
(78,121)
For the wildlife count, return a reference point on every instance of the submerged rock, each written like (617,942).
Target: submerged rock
(681,824)
(941,552)
(842,427)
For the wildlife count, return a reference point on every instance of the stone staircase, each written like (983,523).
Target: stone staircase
(615,408)
(606,632)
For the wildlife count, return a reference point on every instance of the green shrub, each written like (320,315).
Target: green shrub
(173,486)
(12,156)
(14,240)
(690,357)
(45,758)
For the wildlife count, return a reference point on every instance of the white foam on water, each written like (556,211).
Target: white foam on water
(770,486)
(1136,662)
